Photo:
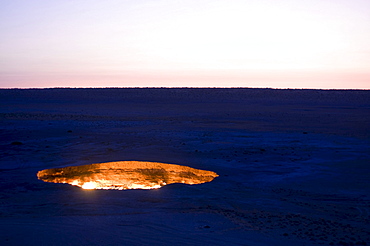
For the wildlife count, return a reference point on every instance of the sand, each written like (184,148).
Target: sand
(293,166)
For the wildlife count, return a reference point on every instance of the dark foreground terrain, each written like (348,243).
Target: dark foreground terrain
(293,166)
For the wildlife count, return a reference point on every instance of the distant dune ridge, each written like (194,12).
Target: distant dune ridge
(258,109)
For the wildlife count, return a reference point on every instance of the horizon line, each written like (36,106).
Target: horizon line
(178,87)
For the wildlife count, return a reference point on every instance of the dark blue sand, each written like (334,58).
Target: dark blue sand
(294,166)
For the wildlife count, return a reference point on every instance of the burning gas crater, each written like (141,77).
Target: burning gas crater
(124,175)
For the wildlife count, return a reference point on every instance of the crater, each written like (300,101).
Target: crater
(123,175)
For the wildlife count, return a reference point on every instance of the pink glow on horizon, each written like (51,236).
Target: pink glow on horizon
(291,80)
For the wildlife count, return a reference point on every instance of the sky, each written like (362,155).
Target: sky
(185,43)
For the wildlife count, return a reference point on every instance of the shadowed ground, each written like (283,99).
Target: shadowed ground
(293,166)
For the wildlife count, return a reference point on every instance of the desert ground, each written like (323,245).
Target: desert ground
(293,166)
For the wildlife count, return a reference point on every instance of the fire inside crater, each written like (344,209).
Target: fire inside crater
(123,175)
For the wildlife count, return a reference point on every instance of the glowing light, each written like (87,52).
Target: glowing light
(88,185)
(124,175)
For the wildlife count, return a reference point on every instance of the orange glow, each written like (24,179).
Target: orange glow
(124,175)
(88,185)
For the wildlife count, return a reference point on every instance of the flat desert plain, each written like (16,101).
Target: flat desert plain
(293,166)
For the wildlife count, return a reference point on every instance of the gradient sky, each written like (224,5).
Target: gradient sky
(175,43)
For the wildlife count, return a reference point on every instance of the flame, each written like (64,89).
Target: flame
(124,175)
(88,185)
